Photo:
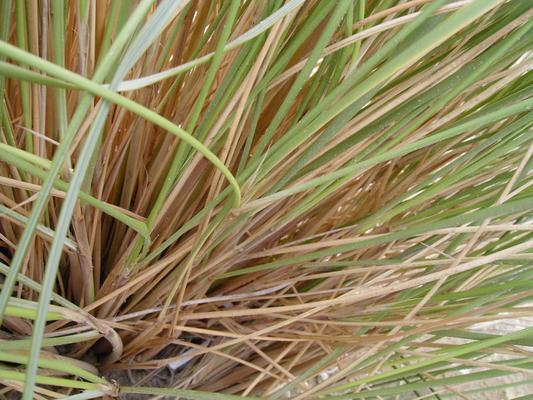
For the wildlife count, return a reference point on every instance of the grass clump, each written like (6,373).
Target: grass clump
(272,199)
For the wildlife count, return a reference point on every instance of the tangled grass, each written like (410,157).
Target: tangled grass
(272,199)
